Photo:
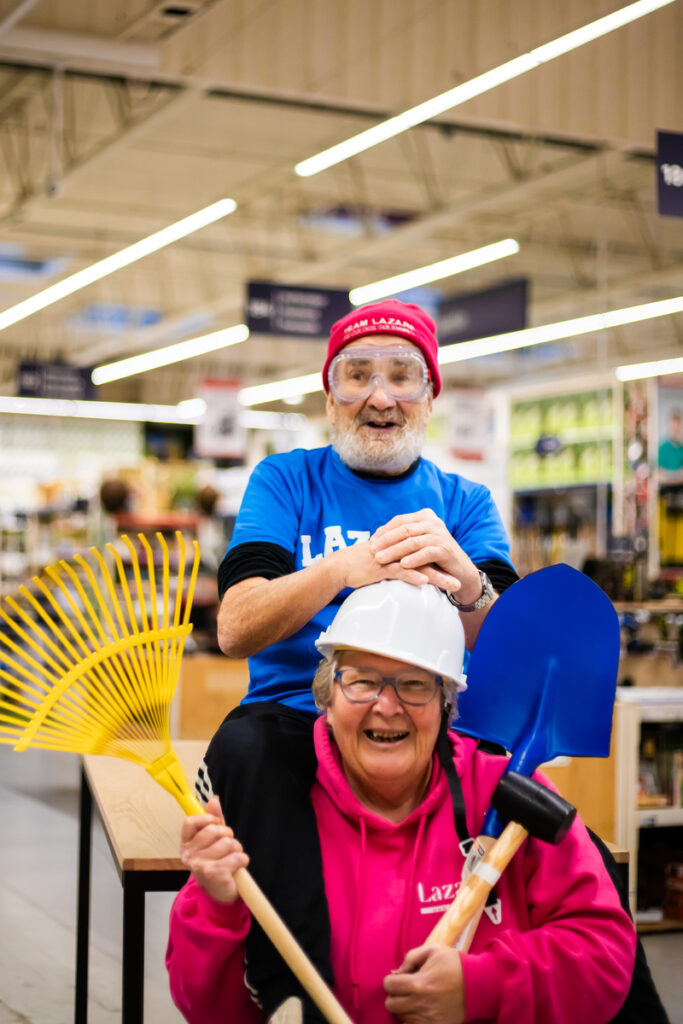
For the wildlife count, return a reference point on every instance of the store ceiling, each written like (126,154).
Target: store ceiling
(118,117)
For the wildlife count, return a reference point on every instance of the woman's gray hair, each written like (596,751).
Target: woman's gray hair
(323,687)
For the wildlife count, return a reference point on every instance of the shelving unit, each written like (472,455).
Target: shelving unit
(634,707)
(562,454)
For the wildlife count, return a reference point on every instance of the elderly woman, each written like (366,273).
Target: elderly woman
(556,948)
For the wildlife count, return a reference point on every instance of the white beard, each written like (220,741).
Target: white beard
(390,454)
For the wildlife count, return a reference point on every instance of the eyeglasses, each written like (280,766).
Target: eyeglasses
(363,686)
(401,372)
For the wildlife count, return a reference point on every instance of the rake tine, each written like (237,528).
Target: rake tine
(177,645)
(146,686)
(137,703)
(153,599)
(149,649)
(85,651)
(105,685)
(40,633)
(115,670)
(178,651)
(109,583)
(164,591)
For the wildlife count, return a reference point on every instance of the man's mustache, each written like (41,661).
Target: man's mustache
(395,418)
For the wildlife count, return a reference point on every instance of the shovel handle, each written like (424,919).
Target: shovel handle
(472,895)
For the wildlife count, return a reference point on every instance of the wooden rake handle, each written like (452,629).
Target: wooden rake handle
(473,893)
(289,949)
(168,772)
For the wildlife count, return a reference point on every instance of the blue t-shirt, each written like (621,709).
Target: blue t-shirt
(311,504)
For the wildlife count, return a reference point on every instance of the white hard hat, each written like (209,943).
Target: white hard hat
(417,625)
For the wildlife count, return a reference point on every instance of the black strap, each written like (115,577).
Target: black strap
(457,796)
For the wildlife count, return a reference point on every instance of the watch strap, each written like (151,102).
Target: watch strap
(484,598)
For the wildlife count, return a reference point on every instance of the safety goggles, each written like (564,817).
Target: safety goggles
(401,373)
(363,686)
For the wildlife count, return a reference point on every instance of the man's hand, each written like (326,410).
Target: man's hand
(210,851)
(428,987)
(360,565)
(421,541)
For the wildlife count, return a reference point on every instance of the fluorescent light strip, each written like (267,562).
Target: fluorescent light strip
(116,261)
(476,86)
(184,412)
(278,389)
(434,271)
(463,350)
(176,353)
(658,368)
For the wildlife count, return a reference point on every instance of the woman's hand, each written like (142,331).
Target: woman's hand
(428,987)
(210,851)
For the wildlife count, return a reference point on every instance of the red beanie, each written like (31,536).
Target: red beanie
(388,317)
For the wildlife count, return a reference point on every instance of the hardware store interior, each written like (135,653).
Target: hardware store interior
(560,186)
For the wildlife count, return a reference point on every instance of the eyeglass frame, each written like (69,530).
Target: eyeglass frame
(379,353)
(387,681)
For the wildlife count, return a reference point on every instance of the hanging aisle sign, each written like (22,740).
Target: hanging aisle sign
(54,380)
(294,312)
(481,314)
(670,174)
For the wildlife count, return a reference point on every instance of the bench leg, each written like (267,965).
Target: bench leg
(83,912)
(133,974)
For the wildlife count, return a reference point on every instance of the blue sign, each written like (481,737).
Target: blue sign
(482,314)
(114,318)
(292,311)
(670,174)
(54,380)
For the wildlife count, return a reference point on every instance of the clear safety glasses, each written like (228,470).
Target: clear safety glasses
(401,372)
(363,686)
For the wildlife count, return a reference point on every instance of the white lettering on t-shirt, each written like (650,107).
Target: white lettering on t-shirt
(306,557)
(334,540)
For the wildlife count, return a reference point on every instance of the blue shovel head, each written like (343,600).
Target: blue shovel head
(542,674)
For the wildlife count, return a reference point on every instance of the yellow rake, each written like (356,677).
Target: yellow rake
(89,664)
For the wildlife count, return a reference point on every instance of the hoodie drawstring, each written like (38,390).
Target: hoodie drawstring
(360,898)
(408,902)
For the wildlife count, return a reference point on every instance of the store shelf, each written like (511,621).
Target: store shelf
(667,924)
(544,488)
(659,817)
(655,709)
(569,435)
(666,606)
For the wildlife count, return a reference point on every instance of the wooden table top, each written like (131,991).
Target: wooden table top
(142,821)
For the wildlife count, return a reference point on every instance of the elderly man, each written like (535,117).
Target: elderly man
(312,526)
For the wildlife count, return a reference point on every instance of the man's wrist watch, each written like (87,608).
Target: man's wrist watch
(486,596)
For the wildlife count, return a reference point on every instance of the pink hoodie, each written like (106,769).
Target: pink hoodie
(558,948)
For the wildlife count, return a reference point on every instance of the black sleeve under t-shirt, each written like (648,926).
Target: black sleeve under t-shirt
(269,561)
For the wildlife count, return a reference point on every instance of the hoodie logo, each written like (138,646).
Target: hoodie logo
(438,898)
